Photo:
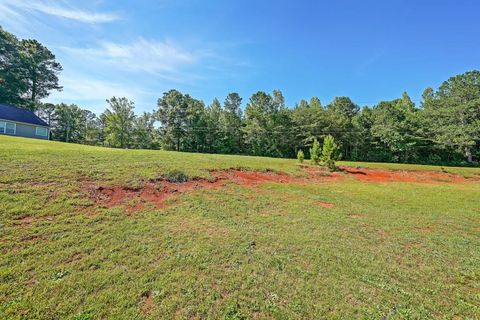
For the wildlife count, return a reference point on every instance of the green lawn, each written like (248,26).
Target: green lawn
(408,250)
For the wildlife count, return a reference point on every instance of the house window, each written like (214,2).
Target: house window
(8,127)
(39,131)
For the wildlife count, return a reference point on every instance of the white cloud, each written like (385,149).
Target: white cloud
(163,59)
(66,11)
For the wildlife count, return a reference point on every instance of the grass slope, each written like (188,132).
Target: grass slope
(411,250)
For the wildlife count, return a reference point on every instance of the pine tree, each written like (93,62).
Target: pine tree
(329,153)
(315,152)
(300,156)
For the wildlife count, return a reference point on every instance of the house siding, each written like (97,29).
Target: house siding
(26,130)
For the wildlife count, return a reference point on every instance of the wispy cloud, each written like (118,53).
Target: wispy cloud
(163,59)
(103,60)
(64,10)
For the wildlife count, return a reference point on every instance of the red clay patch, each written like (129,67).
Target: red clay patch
(147,302)
(381,175)
(157,192)
(326,204)
(153,192)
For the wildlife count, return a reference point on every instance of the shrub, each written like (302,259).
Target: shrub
(300,156)
(329,153)
(315,152)
(175,176)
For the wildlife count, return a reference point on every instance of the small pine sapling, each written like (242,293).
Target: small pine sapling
(315,152)
(300,156)
(329,153)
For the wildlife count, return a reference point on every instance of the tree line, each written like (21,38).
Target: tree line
(443,129)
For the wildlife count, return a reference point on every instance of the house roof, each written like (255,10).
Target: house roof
(12,113)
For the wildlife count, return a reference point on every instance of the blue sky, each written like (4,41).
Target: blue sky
(368,50)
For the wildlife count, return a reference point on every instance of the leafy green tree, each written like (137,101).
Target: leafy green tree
(40,70)
(231,125)
(308,121)
(68,123)
(454,114)
(12,85)
(364,147)
(341,112)
(172,114)
(28,71)
(395,128)
(315,103)
(143,132)
(257,123)
(214,137)
(329,153)
(119,121)
(267,125)
(91,128)
(315,152)
(344,107)
(46,112)
(281,133)
(196,125)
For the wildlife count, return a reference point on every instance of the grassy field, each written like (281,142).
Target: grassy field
(381,249)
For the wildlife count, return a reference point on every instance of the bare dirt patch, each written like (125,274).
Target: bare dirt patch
(147,303)
(157,192)
(382,175)
(151,192)
(327,205)
(255,178)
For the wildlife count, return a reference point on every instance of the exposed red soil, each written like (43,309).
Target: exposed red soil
(157,192)
(382,175)
(254,178)
(151,192)
(147,302)
(327,205)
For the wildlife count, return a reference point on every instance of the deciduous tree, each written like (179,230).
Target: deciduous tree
(119,121)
